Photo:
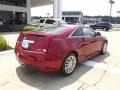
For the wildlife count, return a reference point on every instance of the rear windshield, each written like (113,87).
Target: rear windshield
(51,30)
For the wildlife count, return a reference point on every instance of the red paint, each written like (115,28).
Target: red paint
(48,51)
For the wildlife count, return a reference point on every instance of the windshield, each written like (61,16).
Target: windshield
(61,22)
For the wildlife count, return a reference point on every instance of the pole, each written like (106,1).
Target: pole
(60,9)
(110,9)
(57,9)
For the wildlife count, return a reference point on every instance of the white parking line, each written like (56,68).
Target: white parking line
(90,63)
(102,66)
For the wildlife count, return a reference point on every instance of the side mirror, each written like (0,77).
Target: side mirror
(98,34)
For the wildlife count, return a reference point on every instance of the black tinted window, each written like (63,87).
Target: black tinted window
(106,23)
(78,32)
(42,20)
(98,24)
(88,31)
(50,21)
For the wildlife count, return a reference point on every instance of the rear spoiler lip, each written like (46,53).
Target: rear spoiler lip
(37,34)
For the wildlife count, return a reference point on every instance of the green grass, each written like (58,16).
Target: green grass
(29,28)
(3,44)
(16,28)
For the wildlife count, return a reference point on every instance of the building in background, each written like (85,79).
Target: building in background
(19,11)
(91,20)
(72,16)
(15,11)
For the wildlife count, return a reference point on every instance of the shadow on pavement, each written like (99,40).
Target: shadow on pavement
(8,33)
(54,81)
(100,58)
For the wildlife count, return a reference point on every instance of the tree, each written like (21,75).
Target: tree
(111,3)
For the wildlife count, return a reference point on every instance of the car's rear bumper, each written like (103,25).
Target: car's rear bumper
(39,60)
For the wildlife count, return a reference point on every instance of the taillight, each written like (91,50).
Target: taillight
(18,41)
(48,41)
(20,37)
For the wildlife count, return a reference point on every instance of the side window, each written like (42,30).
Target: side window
(78,32)
(50,21)
(98,24)
(88,32)
(42,21)
(101,23)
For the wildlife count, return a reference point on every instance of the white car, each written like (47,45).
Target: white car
(46,22)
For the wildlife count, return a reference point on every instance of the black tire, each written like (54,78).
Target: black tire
(93,28)
(69,64)
(106,29)
(104,48)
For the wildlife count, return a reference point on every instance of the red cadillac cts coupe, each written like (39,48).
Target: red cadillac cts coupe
(59,48)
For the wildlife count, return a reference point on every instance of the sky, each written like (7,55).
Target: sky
(88,7)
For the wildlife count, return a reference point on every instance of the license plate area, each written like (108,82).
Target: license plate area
(26,43)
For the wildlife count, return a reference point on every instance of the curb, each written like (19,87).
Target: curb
(8,52)
(103,66)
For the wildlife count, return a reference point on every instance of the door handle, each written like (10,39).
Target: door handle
(86,43)
(83,44)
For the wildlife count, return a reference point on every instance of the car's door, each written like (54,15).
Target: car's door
(78,36)
(94,42)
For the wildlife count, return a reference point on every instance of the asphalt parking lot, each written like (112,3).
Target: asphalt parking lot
(99,73)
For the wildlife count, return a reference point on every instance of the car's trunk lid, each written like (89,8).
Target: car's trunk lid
(36,41)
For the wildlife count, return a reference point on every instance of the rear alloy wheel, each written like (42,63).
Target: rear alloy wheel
(69,64)
(104,49)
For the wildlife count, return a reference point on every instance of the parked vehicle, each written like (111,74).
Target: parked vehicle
(59,48)
(105,26)
(46,22)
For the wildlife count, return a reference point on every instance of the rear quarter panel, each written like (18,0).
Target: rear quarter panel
(60,47)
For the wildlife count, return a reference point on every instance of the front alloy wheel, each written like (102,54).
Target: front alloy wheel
(69,64)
